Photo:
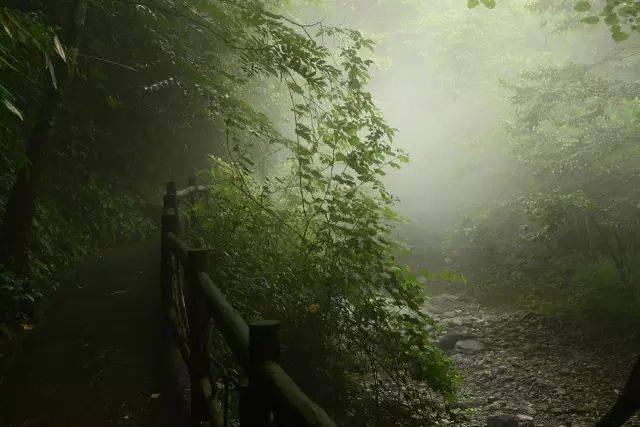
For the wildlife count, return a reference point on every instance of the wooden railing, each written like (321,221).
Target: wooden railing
(194,305)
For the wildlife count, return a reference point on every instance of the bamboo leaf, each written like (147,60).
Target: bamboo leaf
(58,48)
(52,71)
(12,108)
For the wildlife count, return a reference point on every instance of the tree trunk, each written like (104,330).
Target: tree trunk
(17,225)
(628,402)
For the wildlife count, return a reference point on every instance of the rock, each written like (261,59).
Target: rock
(455,321)
(524,420)
(430,309)
(581,410)
(494,406)
(502,421)
(457,358)
(446,298)
(469,346)
(530,348)
(519,420)
(449,340)
(473,403)
(499,370)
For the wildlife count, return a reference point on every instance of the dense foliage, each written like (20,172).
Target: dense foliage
(301,214)
(300,217)
(570,225)
(350,312)
(621,16)
(306,240)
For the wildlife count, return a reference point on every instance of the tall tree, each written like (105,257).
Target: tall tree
(17,225)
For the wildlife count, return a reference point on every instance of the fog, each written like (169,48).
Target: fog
(441,77)
(205,217)
(438,80)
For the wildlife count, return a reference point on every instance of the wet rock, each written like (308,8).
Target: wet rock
(469,346)
(455,321)
(502,421)
(472,403)
(495,406)
(431,309)
(530,367)
(557,410)
(524,420)
(501,369)
(458,358)
(581,410)
(449,340)
(565,371)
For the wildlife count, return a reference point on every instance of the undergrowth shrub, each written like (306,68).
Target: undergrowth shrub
(68,225)
(354,334)
(77,211)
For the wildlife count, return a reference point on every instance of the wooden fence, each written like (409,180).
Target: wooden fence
(194,305)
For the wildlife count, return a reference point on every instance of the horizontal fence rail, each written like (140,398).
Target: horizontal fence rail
(194,305)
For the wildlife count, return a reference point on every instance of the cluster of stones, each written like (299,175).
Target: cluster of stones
(521,369)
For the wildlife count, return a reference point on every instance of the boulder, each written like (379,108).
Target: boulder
(448,341)
(469,346)
(519,420)
(455,321)
(524,420)
(457,358)
(503,421)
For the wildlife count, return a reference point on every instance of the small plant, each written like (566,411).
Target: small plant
(15,295)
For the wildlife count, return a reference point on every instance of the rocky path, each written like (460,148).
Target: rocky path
(538,371)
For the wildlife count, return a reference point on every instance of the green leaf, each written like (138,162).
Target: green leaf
(58,48)
(590,20)
(6,28)
(12,108)
(114,103)
(52,71)
(611,19)
(295,88)
(489,4)
(619,36)
(473,3)
(582,6)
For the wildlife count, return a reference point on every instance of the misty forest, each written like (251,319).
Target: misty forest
(289,213)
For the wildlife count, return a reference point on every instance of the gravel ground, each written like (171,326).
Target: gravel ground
(542,371)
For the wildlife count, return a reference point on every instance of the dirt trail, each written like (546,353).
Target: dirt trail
(95,359)
(545,371)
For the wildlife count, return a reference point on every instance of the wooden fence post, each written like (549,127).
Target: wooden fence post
(191,199)
(170,199)
(264,345)
(171,188)
(171,202)
(199,333)
(169,224)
